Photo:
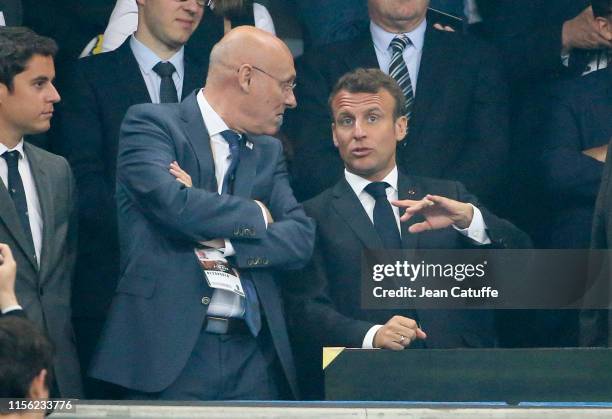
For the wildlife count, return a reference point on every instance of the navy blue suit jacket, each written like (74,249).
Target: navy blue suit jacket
(159,307)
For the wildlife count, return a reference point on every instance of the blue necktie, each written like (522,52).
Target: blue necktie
(252,315)
(233,140)
(384,219)
(17,193)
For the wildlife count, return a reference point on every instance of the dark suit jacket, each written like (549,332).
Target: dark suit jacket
(580,118)
(71,23)
(12,11)
(459,126)
(44,292)
(528,34)
(595,324)
(602,231)
(101,89)
(325,303)
(16,313)
(332,312)
(160,221)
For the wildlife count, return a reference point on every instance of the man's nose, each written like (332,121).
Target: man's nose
(54,95)
(290,101)
(359,131)
(192,6)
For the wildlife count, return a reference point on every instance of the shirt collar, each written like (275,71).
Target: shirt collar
(147,58)
(358,183)
(18,147)
(382,39)
(214,124)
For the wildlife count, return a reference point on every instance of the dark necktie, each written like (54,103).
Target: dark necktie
(167,89)
(17,192)
(384,219)
(399,71)
(252,315)
(233,140)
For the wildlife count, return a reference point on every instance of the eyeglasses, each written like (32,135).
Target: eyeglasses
(198,2)
(286,86)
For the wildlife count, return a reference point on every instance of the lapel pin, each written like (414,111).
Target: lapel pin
(249,145)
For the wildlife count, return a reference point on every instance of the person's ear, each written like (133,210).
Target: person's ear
(38,386)
(401,128)
(4,92)
(245,72)
(334,134)
(605,26)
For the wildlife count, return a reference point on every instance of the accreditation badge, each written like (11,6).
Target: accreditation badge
(219,274)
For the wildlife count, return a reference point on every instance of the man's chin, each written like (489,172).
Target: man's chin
(39,128)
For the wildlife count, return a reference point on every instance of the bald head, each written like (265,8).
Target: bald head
(246,44)
(250,80)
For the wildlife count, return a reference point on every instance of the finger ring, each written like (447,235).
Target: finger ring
(402,338)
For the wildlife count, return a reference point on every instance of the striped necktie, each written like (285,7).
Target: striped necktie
(399,71)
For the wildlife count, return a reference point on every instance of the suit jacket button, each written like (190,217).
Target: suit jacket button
(205,301)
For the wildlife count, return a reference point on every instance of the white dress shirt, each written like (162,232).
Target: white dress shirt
(29,186)
(223,303)
(147,59)
(412,53)
(476,231)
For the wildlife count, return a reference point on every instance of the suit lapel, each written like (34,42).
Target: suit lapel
(45,198)
(193,78)
(348,206)
(436,61)
(198,137)
(245,172)
(362,53)
(8,216)
(10,219)
(129,80)
(408,189)
(608,73)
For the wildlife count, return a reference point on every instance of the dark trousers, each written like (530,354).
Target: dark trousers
(226,367)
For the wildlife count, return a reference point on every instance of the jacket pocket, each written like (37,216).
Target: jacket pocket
(137,285)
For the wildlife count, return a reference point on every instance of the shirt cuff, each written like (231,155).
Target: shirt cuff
(368,340)
(11,308)
(263,213)
(229,249)
(477,230)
